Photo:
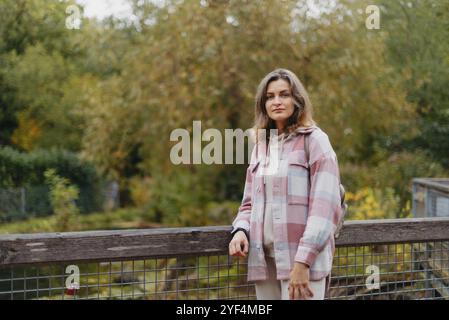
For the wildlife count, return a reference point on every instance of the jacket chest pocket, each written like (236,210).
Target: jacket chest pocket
(298,180)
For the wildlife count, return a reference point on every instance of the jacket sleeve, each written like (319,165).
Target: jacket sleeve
(324,201)
(243,218)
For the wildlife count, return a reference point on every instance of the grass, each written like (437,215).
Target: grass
(126,218)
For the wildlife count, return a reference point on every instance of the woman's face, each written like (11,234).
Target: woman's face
(279,103)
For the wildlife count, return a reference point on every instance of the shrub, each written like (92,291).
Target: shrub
(20,169)
(370,203)
(390,179)
(62,197)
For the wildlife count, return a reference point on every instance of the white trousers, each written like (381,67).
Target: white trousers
(273,289)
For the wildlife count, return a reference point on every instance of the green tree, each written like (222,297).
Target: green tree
(202,60)
(418,49)
(42,64)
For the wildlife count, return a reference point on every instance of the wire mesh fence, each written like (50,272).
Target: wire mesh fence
(400,271)
(198,277)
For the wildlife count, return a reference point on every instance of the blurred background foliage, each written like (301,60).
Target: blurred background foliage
(109,94)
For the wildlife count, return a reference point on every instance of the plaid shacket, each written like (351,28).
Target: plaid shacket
(305,217)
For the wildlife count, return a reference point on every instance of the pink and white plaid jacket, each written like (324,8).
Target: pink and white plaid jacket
(306,216)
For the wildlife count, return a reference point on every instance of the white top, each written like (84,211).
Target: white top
(271,170)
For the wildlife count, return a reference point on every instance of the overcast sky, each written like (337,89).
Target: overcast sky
(104,8)
(121,8)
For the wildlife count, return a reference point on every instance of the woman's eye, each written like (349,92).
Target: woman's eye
(269,97)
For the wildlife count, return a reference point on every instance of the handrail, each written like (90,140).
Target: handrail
(44,248)
(440,184)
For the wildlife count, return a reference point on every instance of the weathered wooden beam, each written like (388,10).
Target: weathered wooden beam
(440,184)
(385,231)
(18,249)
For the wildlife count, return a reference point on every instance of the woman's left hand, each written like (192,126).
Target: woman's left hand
(299,282)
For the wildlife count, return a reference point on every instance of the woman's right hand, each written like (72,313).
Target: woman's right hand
(239,245)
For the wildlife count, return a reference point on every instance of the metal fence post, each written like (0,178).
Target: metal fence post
(22,202)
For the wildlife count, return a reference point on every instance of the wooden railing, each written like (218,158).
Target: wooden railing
(19,249)
(99,246)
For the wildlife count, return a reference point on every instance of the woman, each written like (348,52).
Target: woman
(291,202)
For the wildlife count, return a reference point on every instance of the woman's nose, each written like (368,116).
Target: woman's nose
(277,100)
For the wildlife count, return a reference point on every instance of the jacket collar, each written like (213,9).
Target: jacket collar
(285,138)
